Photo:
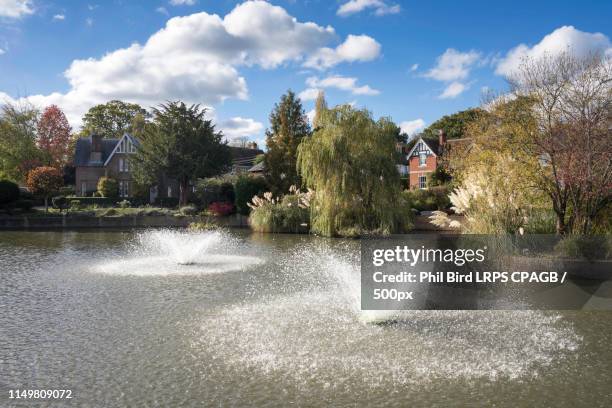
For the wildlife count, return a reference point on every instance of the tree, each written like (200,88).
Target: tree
(18,150)
(350,164)
(571,107)
(44,181)
(54,136)
(113,118)
(454,125)
(389,127)
(182,144)
(288,127)
(320,107)
(108,187)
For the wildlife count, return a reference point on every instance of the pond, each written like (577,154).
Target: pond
(170,318)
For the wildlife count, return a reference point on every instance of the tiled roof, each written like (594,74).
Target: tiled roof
(258,168)
(83,151)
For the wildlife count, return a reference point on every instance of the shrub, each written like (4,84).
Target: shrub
(214,190)
(9,192)
(124,204)
(108,187)
(25,205)
(188,210)
(167,202)
(288,214)
(245,188)
(109,212)
(202,226)
(585,246)
(75,205)
(221,208)
(94,201)
(59,203)
(67,191)
(435,198)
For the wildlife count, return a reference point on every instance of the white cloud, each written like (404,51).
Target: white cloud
(16,8)
(2,51)
(309,94)
(453,90)
(240,127)
(310,115)
(355,6)
(162,10)
(414,67)
(354,48)
(59,17)
(411,127)
(182,2)
(195,58)
(89,21)
(343,83)
(453,65)
(566,38)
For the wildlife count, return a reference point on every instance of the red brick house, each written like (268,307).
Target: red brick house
(97,157)
(425,156)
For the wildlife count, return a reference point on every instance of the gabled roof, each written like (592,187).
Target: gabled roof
(82,152)
(127,136)
(433,145)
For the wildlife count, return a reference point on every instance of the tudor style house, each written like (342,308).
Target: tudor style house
(425,156)
(97,157)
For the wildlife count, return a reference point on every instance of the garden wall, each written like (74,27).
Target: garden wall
(75,221)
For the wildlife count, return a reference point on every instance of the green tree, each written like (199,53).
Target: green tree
(18,150)
(108,187)
(455,125)
(182,144)
(112,119)
(288,127)
(350,163)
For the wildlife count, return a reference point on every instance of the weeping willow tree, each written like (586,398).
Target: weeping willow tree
(350,163)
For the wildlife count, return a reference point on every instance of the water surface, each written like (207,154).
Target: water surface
(166,318)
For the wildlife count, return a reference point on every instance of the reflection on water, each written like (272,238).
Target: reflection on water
(168,318)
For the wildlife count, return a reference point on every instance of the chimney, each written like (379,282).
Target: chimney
(96,143)
(95,155)
(252,145)
(441,137)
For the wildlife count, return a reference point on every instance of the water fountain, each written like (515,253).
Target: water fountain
(176,252)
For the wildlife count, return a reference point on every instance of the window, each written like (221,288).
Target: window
(422,160)
(169,191)
(402,169)
(123,165)
(83,189)
(422,182)
(124,188)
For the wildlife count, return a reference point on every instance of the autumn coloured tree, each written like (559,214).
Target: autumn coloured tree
(54,136)
(44,182)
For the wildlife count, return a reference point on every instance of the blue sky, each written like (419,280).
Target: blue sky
(412,60)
